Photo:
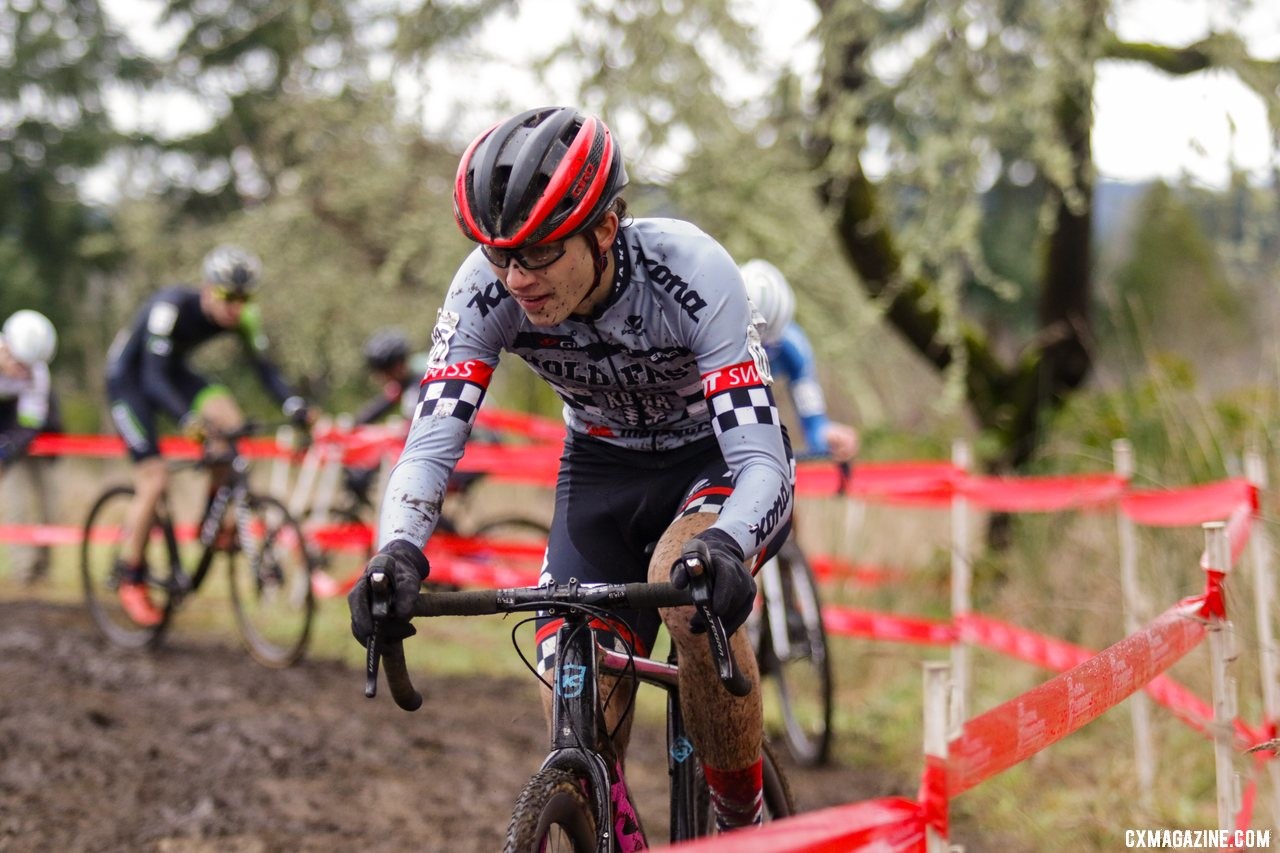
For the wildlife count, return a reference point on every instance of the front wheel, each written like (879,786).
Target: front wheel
(552,815)
(101,570)
(793,656)
(271,582)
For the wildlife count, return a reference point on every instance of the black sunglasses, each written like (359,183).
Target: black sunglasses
(530,257)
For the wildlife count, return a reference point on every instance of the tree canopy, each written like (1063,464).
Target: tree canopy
(932,174)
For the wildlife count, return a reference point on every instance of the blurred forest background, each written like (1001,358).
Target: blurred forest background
(929,192)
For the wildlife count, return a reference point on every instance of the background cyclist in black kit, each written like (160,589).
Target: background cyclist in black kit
(148,375)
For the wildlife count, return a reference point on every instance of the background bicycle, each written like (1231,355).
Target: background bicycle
(578,800)
(339,481)
(268,563)
(791,646)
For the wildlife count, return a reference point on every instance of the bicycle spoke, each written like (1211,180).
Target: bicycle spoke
(271,586)
(100,572)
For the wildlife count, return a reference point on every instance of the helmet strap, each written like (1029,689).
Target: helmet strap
(599,262)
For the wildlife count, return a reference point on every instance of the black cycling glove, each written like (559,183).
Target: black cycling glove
(733,590)
(407,567)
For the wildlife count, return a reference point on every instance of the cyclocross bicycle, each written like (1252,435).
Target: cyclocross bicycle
(578,801)
(268,563)
(790,641)
(791,649)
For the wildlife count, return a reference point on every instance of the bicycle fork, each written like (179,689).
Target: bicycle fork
(580,743)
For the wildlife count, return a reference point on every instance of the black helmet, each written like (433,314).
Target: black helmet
(386,348)
(232,267)
(541,176)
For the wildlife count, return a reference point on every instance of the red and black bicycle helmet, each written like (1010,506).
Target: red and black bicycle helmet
(540,176)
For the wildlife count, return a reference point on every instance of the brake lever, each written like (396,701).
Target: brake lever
(379,606)
(390,652)
(700,591)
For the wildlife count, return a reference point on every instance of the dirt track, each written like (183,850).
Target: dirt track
(196,748)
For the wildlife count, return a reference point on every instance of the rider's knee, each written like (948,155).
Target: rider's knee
(150,477)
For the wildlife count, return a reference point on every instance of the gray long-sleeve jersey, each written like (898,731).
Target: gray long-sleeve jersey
(672,356)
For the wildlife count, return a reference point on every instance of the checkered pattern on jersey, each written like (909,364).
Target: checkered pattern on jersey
(742,406)
(709,499)
(450,398)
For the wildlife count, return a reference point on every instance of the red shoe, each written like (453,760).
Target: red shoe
(137,604)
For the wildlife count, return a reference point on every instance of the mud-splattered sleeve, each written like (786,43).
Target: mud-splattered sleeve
(465,344)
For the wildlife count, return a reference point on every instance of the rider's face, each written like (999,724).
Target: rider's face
(225,312)
(549,295)
(10,366)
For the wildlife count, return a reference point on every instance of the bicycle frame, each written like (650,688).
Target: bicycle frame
(229,495)
(578,737)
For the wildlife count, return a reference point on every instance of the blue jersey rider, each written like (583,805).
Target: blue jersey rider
(791,356)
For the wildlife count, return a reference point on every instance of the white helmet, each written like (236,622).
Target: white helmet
(232,267)
(768,290)
(29,337)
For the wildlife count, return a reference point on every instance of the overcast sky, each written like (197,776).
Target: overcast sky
(1147,124)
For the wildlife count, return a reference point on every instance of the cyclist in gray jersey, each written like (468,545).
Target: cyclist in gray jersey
(644,329)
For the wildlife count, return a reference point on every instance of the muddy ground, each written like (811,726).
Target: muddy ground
(196,748)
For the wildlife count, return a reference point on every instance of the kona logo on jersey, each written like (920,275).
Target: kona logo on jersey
(490,297)
(773,516)
(735,376)
(633,325)
(685,296)
(472,371)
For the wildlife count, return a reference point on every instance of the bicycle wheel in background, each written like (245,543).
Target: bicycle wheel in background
(104,532)
(270,574)
(517,530)
(793,657)
(552,814)
(520,542)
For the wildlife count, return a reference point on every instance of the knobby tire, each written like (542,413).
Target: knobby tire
(271,590)
(802,682)
(552,815)
(100,548)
